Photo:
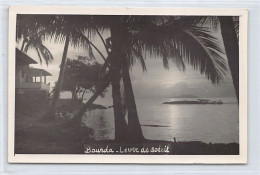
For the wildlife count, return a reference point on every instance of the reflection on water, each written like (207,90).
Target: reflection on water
(207,123)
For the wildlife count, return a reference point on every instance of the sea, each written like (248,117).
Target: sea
(215,123)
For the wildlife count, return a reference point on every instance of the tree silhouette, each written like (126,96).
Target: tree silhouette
(229,26)
(134,37)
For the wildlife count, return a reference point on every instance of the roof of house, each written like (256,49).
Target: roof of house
(37,72)
(23,59)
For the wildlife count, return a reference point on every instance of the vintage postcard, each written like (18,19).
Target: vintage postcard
(127,85)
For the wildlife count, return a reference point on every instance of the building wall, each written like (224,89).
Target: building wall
(27,90)
(21,75)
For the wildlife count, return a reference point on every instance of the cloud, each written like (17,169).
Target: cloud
(156,82)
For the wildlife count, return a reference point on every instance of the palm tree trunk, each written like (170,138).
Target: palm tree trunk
(135,133)
(60,79)
(120,123)
(24,40)
(232,49)
(115,65)
(83,93)
(73,94)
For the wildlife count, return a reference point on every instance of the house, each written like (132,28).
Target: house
(30,82)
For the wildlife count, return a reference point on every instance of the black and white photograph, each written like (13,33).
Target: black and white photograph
(129,84)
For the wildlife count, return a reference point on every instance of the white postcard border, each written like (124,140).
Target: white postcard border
(150,159)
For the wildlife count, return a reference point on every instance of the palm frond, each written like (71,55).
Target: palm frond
(236,25)
(39,55)
(195,46)
(45,52)
(35,42)
(212,61)
(135,53)
(201,21)
(139,56)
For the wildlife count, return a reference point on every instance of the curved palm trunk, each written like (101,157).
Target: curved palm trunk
(76,121)
(232,49)
(60,79)
(114,77)
(135,133)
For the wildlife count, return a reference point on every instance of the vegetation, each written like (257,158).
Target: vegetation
(169,38)
(132,38)
(81,77)
(32,38)
(229,27)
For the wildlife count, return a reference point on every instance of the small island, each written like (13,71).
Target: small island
(198,101)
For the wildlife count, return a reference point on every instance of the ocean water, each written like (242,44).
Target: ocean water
(207,123)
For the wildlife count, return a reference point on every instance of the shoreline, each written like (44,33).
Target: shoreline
(35,136)
(61,140)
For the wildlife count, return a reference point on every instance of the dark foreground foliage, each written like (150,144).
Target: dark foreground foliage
(64,140)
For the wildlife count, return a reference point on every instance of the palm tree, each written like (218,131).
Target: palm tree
(71,30)
(169,39)
(230,34)
(230,39)
(65,28)
(32,39)
(134,36)
(60,28)
(60,79)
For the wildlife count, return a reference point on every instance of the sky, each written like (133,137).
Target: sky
(156,82)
